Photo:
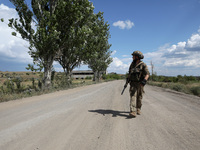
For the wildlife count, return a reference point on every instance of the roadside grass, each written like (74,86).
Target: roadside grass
(17,85)
(186,87)
(29,92)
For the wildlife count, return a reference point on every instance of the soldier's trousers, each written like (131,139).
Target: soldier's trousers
(136,94)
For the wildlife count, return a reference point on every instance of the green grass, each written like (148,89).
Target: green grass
(32,92)
(10,91)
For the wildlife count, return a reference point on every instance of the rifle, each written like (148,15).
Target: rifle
(125,85)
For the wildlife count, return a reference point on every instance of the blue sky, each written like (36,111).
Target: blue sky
(166,31)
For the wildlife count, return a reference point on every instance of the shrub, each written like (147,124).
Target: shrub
(88,78)
(112,76)
(10,86)
(7,75)
(39,84)
(18,81)
(164,85)
(2,90)
(195,90)
(33,82)
(177,87)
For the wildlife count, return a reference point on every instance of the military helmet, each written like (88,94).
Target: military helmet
(139,54)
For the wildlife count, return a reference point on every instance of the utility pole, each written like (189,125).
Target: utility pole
(152,67)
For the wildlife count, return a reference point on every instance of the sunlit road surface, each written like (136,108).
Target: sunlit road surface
(95,117)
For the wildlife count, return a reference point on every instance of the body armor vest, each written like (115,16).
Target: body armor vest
(135,73)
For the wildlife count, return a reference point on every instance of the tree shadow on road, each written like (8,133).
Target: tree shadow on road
(114,113)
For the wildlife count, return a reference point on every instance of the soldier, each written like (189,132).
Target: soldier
(138,76)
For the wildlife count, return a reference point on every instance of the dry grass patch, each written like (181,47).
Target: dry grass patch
(188,88)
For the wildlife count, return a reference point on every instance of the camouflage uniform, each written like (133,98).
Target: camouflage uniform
(136,75)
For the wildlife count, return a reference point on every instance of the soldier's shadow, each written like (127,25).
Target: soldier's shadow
(114,113)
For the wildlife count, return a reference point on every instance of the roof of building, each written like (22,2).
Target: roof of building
(82,71)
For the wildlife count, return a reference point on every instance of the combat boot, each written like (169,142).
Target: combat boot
(138,111)
(132,114)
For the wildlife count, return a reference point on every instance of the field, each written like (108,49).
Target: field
(14,85)
(190,87)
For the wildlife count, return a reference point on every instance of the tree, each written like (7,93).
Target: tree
(42,36)
(75,29)
(100,59)
(99,64)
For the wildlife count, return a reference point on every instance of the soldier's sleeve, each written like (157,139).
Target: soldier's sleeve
(145,70)
(129,70)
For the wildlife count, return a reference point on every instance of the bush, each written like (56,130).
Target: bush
(88,78)
(177,87)
(155,84)
(39,84)
(195,90)
(2,90)
(9,86)
(18,81)
(112,76)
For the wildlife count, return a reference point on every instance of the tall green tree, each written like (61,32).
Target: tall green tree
(75,20)
(99,64)
(100,59)
(38,26)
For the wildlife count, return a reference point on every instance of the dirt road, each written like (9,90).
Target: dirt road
(95,118)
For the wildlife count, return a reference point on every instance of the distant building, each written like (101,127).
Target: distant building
(82,74)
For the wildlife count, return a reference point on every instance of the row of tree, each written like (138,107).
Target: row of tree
(179,78)
(67,31)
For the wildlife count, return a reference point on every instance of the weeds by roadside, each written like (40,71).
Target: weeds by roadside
(32,92)
(188,88)
(16,85)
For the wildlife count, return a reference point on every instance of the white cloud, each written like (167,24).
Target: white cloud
(118,66)
(127,60)
(194,42)
(117,62)
(57,67)
(124,24)
(3,7)
(125,55)
(120,24)
(12,48)
(7,12)
(129,24)
(181,58)
(113,53)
